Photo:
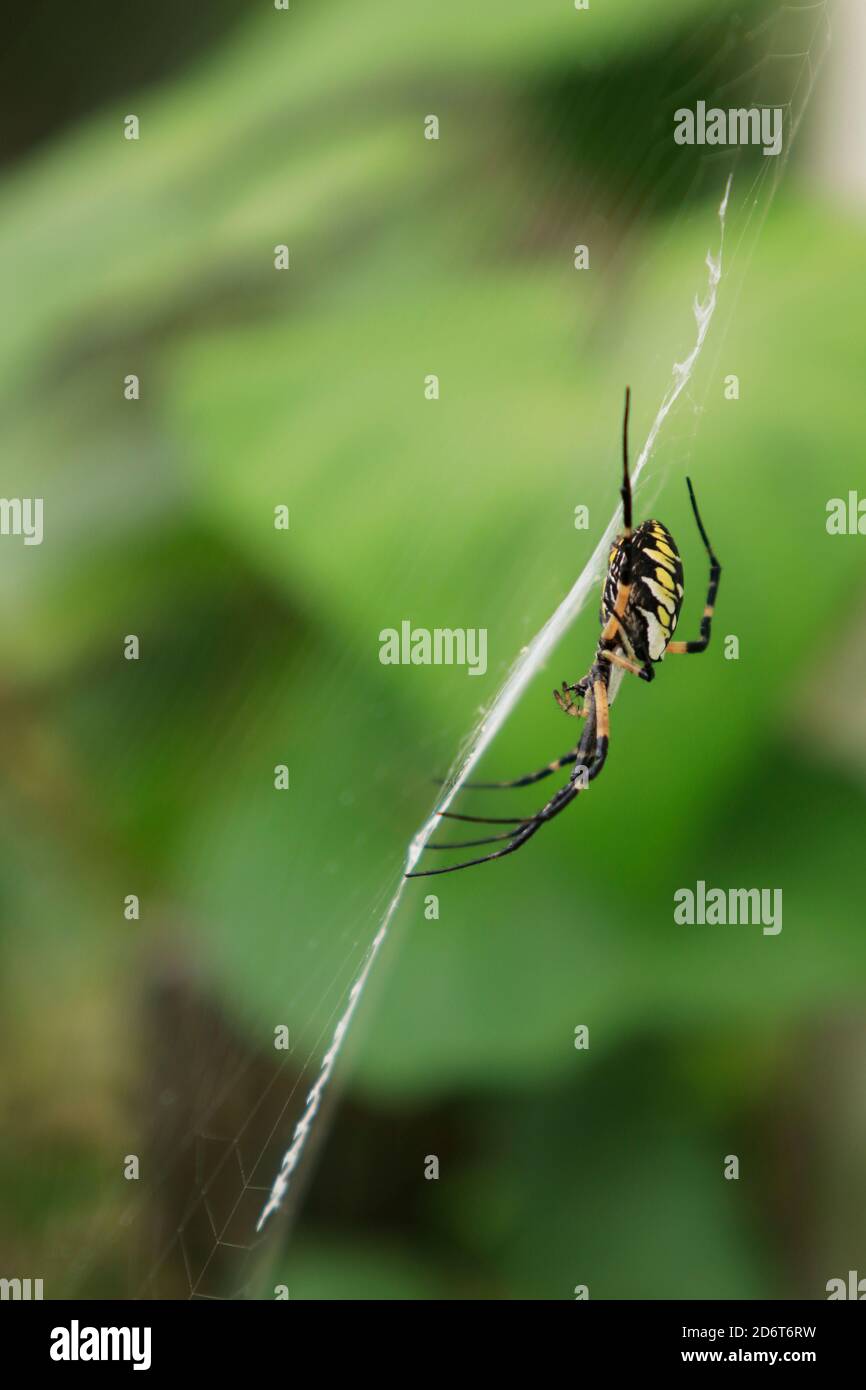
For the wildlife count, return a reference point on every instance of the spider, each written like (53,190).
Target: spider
(640,604)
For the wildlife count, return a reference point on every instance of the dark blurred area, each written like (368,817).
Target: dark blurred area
(60,63)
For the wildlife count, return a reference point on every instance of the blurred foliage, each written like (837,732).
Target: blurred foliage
(260,647)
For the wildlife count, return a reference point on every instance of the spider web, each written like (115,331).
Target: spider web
(234,1130)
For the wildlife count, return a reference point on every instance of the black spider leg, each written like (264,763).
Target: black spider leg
(517,838)
(527,828)
(613,624)
(469,844)
(528,779)
(597,679)
(525,781)
(701,643)
(625,492)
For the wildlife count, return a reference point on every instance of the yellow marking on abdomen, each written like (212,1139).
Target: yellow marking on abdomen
(669,563)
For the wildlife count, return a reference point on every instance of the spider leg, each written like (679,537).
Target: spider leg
(626,641)
(613,624)
(701,643)
(467,844)
(518,839)
(521,782)
(530,776)
(646,671)
(557,803)
(602,722)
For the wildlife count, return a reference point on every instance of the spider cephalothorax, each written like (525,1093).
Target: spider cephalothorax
(641,600)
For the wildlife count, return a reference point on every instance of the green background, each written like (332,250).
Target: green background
(558,1167)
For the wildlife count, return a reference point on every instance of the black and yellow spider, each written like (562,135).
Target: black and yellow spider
(640,604)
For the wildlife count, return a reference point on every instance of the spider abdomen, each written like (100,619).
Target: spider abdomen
(656,595)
